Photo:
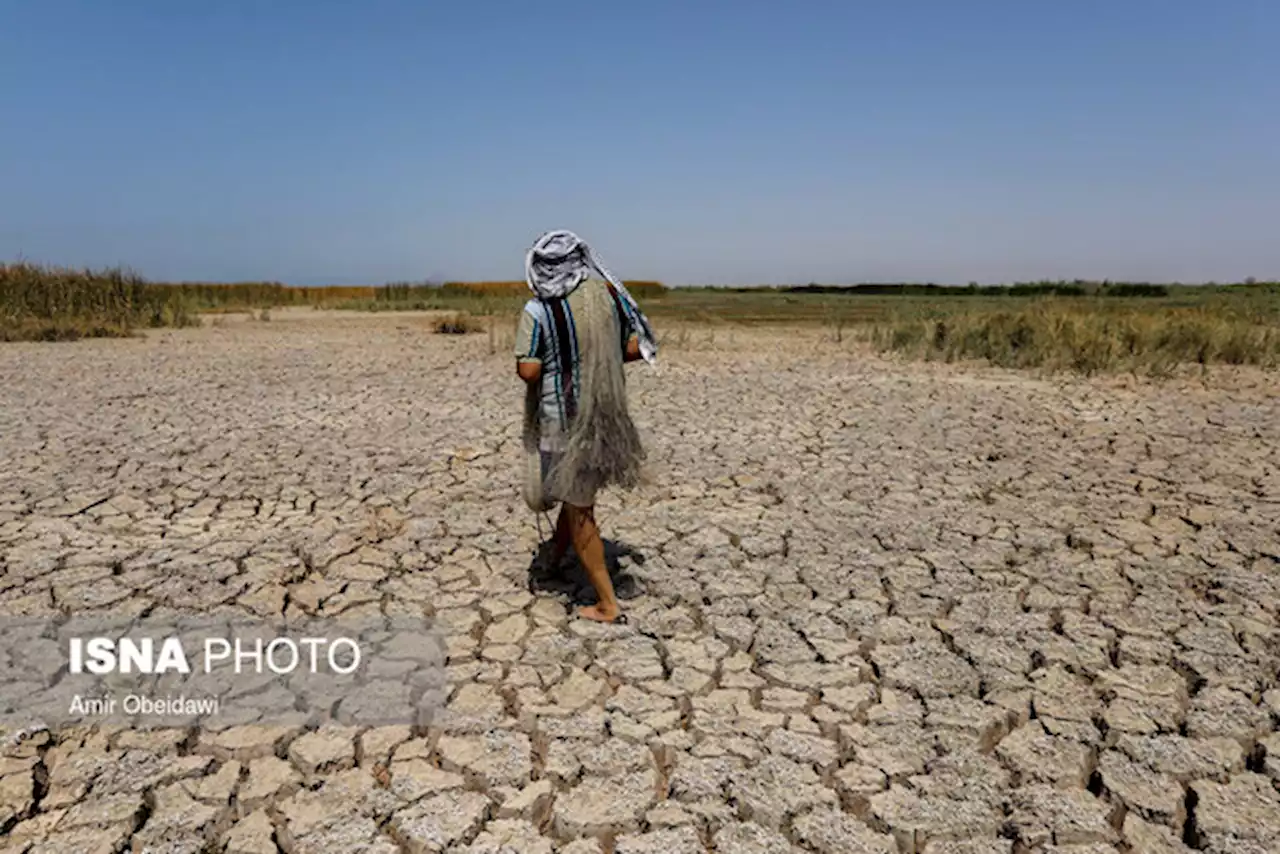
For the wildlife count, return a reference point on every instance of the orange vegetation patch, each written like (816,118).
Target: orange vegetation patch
(637,288)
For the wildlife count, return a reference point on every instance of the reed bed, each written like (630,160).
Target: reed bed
(58,304)
(1077,326)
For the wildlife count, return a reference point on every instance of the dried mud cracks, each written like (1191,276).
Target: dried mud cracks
(874,607)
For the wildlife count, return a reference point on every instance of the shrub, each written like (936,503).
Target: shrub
(458,323)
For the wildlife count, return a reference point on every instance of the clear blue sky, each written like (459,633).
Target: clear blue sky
(702,141)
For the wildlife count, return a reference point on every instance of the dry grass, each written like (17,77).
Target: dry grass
(57,303)
(244,296)
(1087,338)
(60,304)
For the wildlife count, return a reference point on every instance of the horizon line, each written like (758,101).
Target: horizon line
(440,281)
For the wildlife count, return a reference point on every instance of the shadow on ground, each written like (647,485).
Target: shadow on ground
(570,581)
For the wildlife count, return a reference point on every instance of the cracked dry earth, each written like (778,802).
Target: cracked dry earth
(874,607)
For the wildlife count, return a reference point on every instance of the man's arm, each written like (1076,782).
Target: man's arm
(528,349)
(630,335)
(531,371)
(632,353)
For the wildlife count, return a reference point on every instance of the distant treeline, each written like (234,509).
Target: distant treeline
(1076,288)
(1018,289)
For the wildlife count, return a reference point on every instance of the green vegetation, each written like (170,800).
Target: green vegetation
(1078,326)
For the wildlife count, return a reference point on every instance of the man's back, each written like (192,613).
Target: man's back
(548,334)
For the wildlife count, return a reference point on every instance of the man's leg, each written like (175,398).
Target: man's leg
(590,549)
(561,539)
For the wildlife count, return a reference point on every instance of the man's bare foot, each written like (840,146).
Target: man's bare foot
(601,614)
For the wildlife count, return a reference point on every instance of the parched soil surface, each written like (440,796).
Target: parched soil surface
(874,607)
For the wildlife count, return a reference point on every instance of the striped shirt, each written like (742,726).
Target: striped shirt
(546,335)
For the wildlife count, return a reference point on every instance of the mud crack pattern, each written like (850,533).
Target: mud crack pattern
(874,607)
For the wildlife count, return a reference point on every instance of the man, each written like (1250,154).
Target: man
(572,340)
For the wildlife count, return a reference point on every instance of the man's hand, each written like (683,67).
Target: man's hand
(633,349)
(530,372)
